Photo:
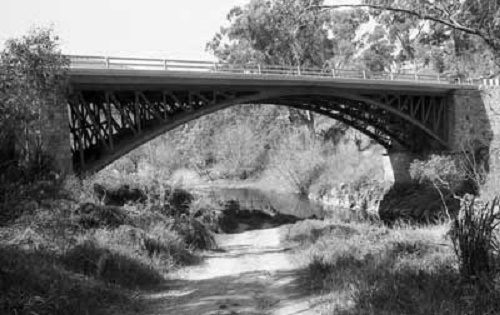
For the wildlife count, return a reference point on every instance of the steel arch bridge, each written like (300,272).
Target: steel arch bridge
(115,105)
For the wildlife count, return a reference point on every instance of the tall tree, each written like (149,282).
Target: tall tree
(377,56)
(277,32)
(343,27)
(480,18)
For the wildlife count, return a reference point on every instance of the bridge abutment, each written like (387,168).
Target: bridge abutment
(475,121)
(55,136)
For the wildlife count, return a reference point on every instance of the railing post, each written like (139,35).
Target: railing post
(364,74)
(439,77)
(333,73)
(165,67)
(392,76)
(459,81)
(106,60)
(215,67)
(298,70)
(416,76)
(258,66)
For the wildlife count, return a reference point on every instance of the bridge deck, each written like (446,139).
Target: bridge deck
(97,72)
(126,79)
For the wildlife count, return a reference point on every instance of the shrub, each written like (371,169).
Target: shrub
(119,196)
(414,202)
(94,216)
(194,233)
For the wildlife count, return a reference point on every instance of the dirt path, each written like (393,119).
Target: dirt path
(253,274)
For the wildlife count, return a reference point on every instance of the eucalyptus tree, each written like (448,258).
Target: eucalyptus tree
(284,32)
(476,18)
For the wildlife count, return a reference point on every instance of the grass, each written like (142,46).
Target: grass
(67,255)
(35,282)
(360,268)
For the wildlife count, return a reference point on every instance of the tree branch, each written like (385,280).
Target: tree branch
(448,22)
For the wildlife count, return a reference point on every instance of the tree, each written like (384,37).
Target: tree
(32,76)
(343,26)
(277,32)
(479,18)
(274,32)
(378,56)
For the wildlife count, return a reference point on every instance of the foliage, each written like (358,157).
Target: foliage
(237,149)
(32,79)
(343,27)
(442,171)
(377,56)
(478,18)
(299,161)
(415,203)
(445,173)
(274,32)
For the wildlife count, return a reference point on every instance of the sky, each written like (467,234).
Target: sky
(171,29)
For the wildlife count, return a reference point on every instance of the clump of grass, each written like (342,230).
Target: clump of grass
(111,266)
(474,238)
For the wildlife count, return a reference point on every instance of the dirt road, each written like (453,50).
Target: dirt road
(252,274)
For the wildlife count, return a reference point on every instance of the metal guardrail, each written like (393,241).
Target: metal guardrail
(120,63)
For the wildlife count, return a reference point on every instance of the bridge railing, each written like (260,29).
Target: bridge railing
(120,63)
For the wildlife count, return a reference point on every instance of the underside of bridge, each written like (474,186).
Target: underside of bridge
(108,122)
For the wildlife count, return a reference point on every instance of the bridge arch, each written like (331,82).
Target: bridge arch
(107,124)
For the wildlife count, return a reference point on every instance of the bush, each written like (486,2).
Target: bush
(119,196)
(418,203)
(194,233)
(94,216)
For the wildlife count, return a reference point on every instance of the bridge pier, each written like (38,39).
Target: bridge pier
(397,164)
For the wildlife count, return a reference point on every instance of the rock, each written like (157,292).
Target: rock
(119,196)
(94,216)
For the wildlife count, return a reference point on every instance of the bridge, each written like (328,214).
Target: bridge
(117,104)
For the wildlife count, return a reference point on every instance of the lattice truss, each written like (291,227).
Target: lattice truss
(103,123)
(403,118)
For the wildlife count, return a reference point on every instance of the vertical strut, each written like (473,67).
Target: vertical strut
(109,119)
(137,111)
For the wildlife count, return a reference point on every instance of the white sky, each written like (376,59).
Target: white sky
(176,29)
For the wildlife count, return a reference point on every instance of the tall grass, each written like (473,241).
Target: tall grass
(72,255)
(359,268)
